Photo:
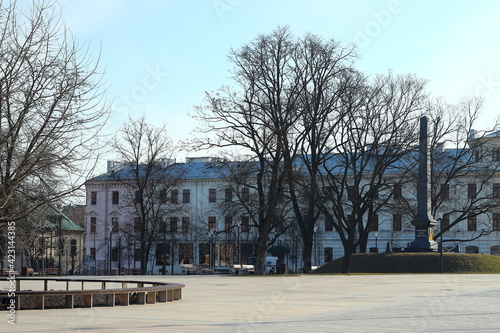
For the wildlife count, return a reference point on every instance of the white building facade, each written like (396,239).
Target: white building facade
(196,231)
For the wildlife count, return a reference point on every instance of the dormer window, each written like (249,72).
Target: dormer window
(495,153)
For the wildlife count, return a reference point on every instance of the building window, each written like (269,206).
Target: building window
(496,154)
(477,154)
(245,223)
(114,223)
(397,192)
(471,249)
(186,251)
(351,192)
(471,191)
(73,248)
(471,223)
(496,190)
(396,222)
(114,254)
(229,195)
(138,197)
(445,191)
(137,224)
(163,254)
(173,225)
(495,250)
(328,254)
(228,223)
(212,195)
(445,221)
(93,198)
(328,223)
(496,221)
(212,223)
(374,226)
(186,196)
(93,224)
(137,254)
(245,194)
(174,196)
(163,226)
(163,196)
(115,198)
(92,252)
(185,224)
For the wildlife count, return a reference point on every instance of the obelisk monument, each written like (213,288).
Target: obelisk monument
(424,222)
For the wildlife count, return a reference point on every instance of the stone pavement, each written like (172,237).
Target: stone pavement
(300,303)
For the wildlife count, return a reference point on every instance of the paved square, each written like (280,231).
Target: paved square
(302,303)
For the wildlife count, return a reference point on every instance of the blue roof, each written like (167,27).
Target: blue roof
(197,170)
(335,162)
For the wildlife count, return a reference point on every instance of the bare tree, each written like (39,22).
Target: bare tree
(145,151)
(462,166)
(374,135)
(51,109)
(255,117)
(325,72)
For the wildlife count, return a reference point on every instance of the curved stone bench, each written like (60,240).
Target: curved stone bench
(166,292)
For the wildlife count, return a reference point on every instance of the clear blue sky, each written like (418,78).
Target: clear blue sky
(161,56)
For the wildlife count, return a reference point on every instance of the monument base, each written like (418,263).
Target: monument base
(422,246)
(424,241)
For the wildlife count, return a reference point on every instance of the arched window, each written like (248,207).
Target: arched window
(471,249)
(495,250)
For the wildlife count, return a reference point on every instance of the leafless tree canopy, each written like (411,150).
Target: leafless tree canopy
(145,151)
(51,109)
(331,140)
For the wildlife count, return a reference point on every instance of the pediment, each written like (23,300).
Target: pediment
(115,213)
(92,213)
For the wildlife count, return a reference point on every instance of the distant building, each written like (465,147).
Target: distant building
(47,240)
(196,225)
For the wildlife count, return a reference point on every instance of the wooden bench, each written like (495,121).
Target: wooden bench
(131,271)
(189,268)
(31,272)
(203,269)
(8,272)
(248,268)
(241,269)
(52,271)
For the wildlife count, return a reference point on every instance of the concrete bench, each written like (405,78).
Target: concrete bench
(166,292)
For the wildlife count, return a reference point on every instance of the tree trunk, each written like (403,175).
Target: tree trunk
(363,243)
(346,263)
(260,263)
(307,254)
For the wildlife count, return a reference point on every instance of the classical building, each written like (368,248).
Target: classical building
(48,242)
(195,228)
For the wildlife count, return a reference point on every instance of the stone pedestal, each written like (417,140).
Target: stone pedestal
(424,222)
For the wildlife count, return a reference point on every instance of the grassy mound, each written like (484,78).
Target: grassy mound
(416,263)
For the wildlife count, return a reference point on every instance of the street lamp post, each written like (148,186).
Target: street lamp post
(210,235)
(376,241)
(164,267)
(110,250)
(238,224)
(441,241)
(73,253)
(315,241)
(60,245)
